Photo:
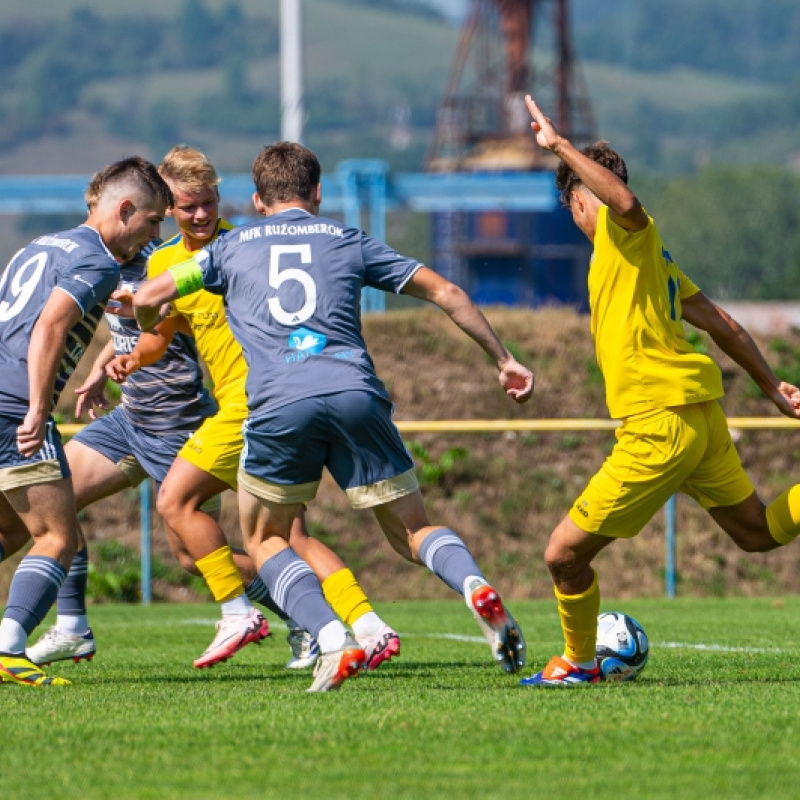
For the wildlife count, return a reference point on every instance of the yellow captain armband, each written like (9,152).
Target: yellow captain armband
(188,277)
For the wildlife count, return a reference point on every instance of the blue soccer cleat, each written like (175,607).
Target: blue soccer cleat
(560,672)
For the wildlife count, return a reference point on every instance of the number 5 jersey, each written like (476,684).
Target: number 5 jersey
(292,287)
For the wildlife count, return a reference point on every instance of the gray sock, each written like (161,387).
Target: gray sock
(296,589)
(33,590)
(447,556)
(258,593)
(71,600)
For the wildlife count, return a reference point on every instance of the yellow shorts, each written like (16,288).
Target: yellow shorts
(215,447)
(687,449)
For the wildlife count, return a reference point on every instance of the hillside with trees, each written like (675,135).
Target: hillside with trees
(702,98)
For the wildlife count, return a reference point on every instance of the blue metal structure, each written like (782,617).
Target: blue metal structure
(342,191)
(146,538)
(513,258)
(534,259)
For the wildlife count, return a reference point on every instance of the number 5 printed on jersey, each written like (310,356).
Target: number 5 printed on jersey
(277,277)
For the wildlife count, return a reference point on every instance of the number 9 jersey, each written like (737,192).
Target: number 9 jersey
(292,288)
(76,262)
(635,293)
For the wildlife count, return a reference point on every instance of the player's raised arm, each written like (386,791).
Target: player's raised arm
(625,207)
(737,343)
(426,284)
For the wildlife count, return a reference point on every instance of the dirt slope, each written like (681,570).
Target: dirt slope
(507,491)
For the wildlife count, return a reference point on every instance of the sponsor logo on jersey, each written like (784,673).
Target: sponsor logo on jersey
(305,343)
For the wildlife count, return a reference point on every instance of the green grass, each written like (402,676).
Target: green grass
(140,722)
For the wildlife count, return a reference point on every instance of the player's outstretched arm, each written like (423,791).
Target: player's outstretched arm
(737,343)
(625,207)
(516,380)
(92,392)
(149,349)
(150,298)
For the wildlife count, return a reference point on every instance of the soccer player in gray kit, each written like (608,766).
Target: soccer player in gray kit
(292,287)
(52,296)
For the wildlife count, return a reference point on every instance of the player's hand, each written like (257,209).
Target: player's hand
(120,367)
(546,135)
(787,400)
(517,381)
(120,303)
(91,394)
(30,435)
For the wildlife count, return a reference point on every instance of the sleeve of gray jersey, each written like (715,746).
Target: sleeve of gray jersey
(384,267)
(209,260)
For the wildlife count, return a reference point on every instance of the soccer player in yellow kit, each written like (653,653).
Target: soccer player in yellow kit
(674,435)
(209,461)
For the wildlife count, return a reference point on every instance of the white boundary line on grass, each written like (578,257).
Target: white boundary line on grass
(720,648)
(457,637)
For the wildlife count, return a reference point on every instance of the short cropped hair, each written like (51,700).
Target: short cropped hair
(136,175)
(285,171)
(567,180)
(188,168)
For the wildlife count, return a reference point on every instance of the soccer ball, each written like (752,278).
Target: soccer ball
(622,646)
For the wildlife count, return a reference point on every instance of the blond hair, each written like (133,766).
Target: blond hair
(187,168)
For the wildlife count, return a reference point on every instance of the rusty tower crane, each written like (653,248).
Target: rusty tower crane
(509,48)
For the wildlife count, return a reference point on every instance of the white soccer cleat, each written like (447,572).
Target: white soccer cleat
(380,647)
(333,669)
(54,645)
(305,649)
(499,627)
(233,633)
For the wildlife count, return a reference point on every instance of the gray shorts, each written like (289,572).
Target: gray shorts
(351,433)
(49,464)
(137,452)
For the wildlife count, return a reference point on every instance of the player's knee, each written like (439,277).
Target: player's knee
(187,563)
(756,541)
(168,506)
(561,562)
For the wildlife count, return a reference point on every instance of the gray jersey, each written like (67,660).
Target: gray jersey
(167,397)
(292,287)
(76,262)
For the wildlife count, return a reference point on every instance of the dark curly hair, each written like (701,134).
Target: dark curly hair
(567,180)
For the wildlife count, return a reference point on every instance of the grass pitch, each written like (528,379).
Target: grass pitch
(713,715)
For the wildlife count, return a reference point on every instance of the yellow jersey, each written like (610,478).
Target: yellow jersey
(205,313)
(635,293)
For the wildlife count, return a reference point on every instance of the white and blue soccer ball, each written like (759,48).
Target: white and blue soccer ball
(622,646)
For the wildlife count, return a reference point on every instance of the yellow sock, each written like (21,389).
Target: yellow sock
(345,596)
(783,516)
(221,574)
(578,614)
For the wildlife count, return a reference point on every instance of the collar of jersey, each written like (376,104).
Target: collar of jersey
(293,208)
(100,238)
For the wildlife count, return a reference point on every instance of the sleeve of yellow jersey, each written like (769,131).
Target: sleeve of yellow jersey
(687,287)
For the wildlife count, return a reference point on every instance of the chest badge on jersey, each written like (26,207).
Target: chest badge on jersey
(307,342)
